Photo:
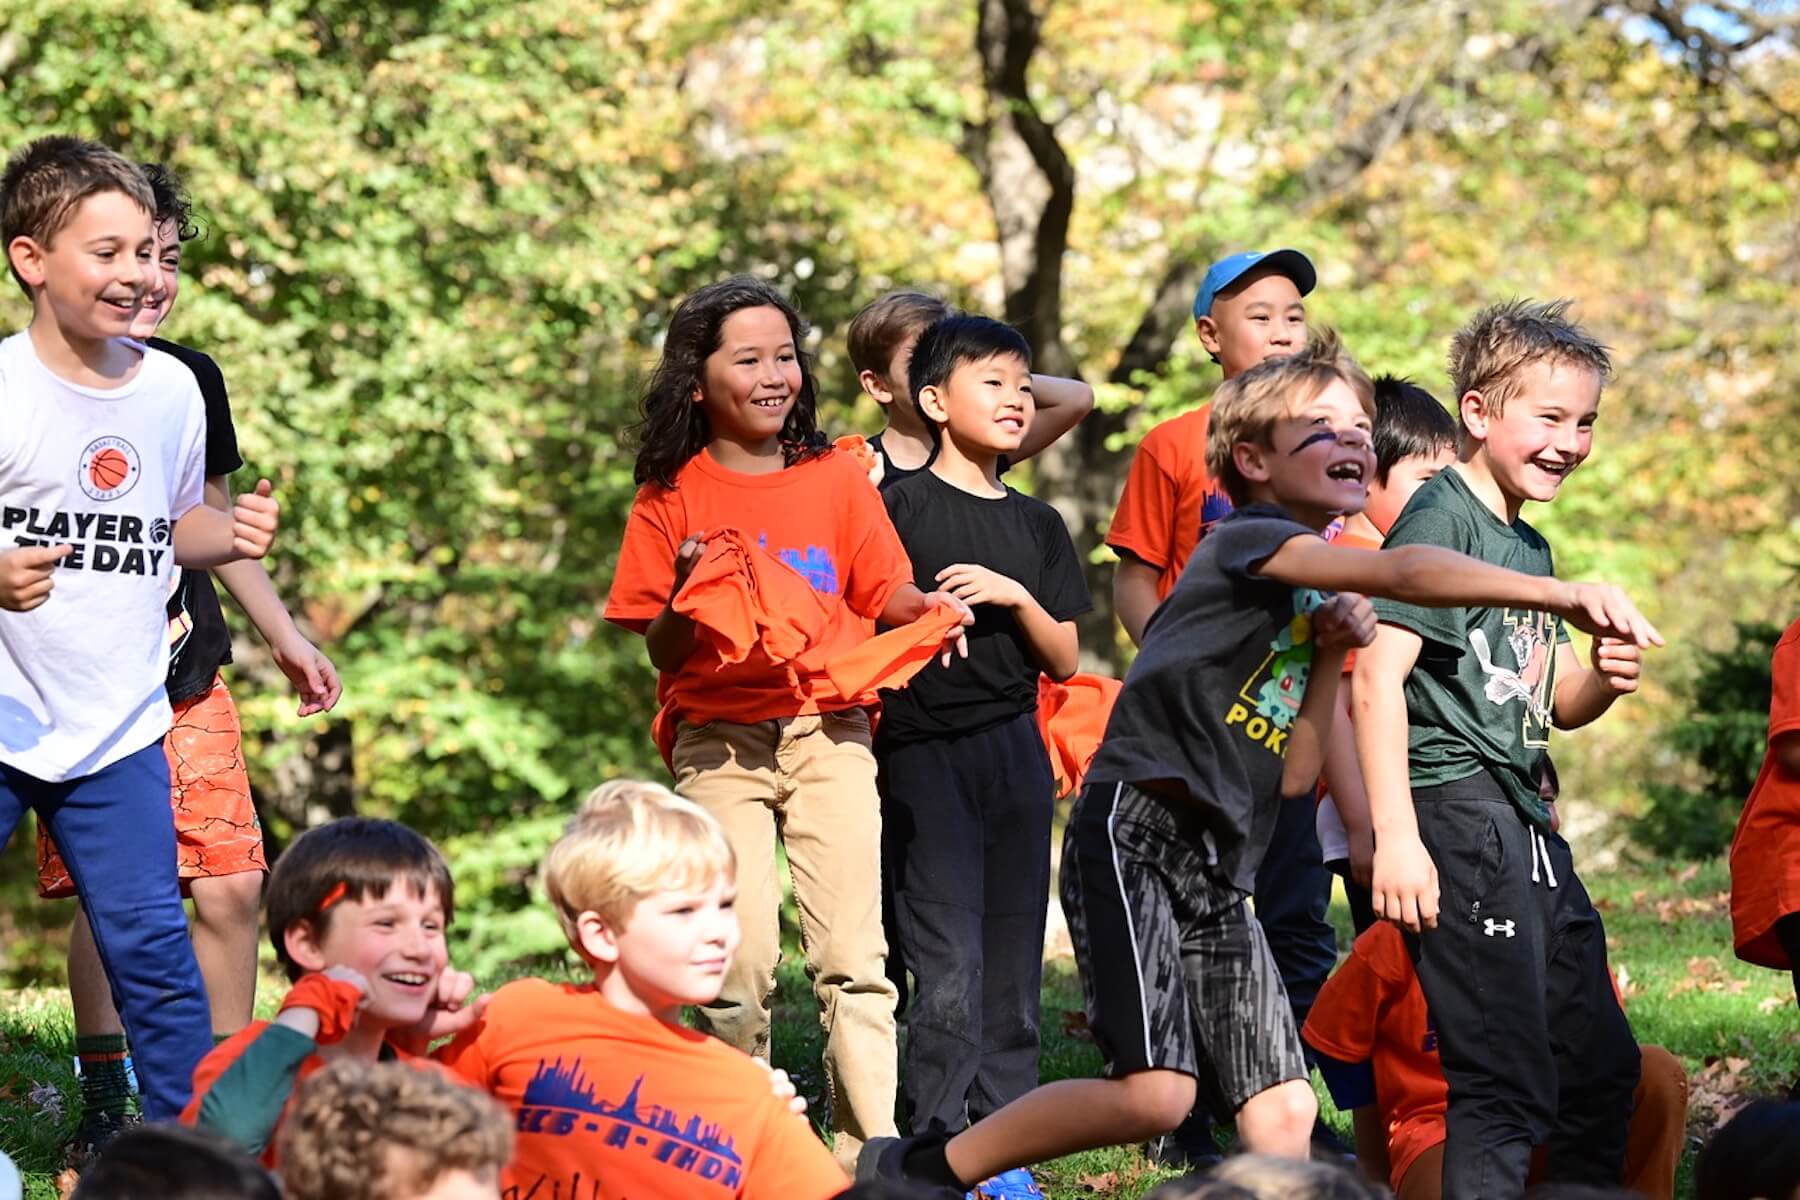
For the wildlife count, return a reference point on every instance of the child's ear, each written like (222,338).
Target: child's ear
(1473,411)
(931,403)
(1208,331)
(1252,461)
(302,941)
(876,387)
(598,942)
(27,258)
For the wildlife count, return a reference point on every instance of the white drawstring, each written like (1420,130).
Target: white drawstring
(1537,840)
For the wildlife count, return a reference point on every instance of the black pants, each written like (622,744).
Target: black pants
(1787,932)
(1533,1042)
(966,851)
(1361,899)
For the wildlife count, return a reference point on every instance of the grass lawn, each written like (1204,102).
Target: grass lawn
(1735,1026)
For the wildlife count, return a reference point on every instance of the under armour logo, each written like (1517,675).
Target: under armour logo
(1495,928)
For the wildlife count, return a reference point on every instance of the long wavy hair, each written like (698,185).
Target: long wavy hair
(673,427)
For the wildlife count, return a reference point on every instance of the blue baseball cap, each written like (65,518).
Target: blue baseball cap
(1227,271)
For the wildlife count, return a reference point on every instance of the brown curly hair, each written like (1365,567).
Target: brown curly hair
(339,1141)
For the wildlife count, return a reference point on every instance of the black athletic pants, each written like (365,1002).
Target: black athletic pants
(1787,932)
(1533,1042)
(966,850)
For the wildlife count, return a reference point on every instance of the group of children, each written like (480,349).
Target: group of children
(853,672)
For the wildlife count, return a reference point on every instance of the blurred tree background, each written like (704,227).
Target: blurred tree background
(442,239)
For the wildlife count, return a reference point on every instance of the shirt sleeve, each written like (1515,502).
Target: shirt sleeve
(791,1162)
(1347,1013)
(1247,540)
(645,577)
(877,567)
(222,456)
(1144,523)
(1428,526)
(1065,591)
(465,1055)
(190,485)
(1784,699)
(241,1088)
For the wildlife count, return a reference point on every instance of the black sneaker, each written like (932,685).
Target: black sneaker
(96,1129)
(885,1158)
(1173,1151)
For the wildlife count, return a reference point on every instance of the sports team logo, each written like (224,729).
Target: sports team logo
(109,468)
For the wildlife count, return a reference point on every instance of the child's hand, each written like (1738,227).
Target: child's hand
(1604,611)
(1405,884)
(1618,663)
(310,672)
(688,557)
(1344,622)
(783,1088)
(324,1004)
(26,575)
(956,639)
(253,520)
(974,584)
(451,1011)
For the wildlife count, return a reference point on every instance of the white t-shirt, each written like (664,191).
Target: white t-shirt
(108,472)
(1334,840)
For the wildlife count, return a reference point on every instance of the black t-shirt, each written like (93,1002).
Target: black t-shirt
(890,474)
(1015,536)
(1208,703)
(1481,693)
(200,642)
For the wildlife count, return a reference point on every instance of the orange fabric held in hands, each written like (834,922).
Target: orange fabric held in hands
(857,447)
(889,660)
(1071,719)
(742,598)
(336,1001)
(1765,852)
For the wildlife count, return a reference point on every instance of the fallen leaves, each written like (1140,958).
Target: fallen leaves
(65,1183)
(1106,1183)
(1075,1025)
(1720,1088)
(1706,974)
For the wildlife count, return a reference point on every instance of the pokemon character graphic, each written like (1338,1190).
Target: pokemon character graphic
(1291,663)
(1530,678)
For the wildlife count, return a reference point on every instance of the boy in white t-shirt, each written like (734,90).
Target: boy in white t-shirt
(101,468)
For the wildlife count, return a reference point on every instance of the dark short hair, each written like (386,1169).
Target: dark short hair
(1409,423)
(885,322)
(362,856)
(172,202)
(171,1162)
(1756,1153)
(957,341)
(46,182)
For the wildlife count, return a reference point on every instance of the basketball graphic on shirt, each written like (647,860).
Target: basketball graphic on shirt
(109,468)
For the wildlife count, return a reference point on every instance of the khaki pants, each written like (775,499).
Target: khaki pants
(811,781)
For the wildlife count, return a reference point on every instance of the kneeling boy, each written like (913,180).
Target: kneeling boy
(1223,715)
(611,1094)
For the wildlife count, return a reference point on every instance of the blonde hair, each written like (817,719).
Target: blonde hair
(1247,406)
(630,840)
(356,1125)
(1490,353)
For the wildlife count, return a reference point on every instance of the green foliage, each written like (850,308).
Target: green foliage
(1719,743)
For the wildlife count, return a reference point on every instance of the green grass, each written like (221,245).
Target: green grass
(1735,1026)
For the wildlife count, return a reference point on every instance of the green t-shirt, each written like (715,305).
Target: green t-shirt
(1480,695)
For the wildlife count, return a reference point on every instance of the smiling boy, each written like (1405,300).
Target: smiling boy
(1201,751)
(1453,715)
(965,779)
(613,1098)
(101,471)
(357,911)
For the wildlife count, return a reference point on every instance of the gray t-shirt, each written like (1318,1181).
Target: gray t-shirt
(1208,704)
(1481,694)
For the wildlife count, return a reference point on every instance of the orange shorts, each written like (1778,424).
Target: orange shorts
(216,830)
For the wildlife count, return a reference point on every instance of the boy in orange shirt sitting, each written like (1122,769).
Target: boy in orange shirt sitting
(357,911)
(613,1098)
(1377,1047)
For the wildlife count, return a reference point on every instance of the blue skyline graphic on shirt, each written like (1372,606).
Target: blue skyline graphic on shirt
(555,1085)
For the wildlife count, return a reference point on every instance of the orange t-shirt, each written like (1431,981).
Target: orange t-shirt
(1372,1010)
(1170,499)
(1765,852)
(613,1106)
(821,517)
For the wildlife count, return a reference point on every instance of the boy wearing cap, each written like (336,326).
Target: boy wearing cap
(1250,307)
